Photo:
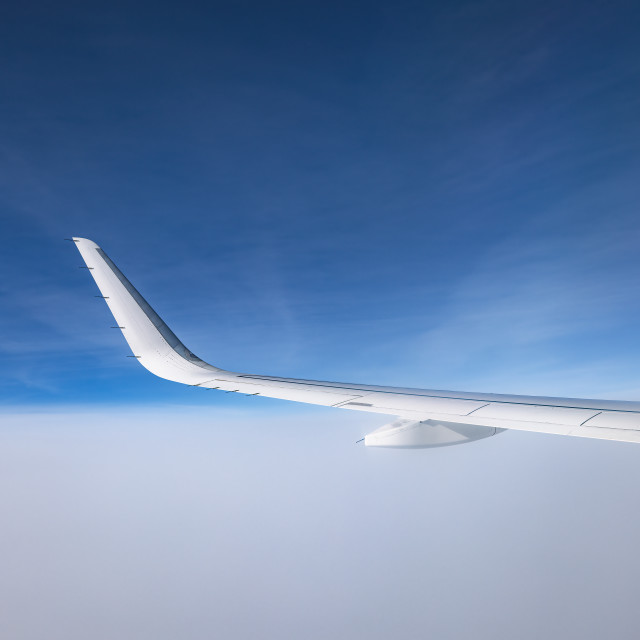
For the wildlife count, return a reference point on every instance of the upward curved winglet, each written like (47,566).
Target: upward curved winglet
(150,339)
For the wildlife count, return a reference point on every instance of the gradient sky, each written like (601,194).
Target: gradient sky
(440,195)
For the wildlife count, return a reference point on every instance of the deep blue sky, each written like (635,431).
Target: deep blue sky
(437,195)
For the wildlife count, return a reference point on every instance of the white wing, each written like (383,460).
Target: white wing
(424,417)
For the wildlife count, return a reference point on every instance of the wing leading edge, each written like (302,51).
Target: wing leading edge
(424,417)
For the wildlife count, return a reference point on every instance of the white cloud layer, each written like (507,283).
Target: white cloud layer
(198,524)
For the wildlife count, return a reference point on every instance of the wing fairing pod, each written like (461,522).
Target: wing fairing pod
(423,434)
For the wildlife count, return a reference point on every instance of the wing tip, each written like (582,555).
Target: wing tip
(85,242)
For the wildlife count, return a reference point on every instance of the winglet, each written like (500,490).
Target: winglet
(151,340)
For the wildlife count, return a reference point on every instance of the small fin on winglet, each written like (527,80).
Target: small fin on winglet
(147,334)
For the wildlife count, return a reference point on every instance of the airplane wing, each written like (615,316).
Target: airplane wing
(424,418)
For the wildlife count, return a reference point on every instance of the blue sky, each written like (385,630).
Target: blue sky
(439,195)
(431,195)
